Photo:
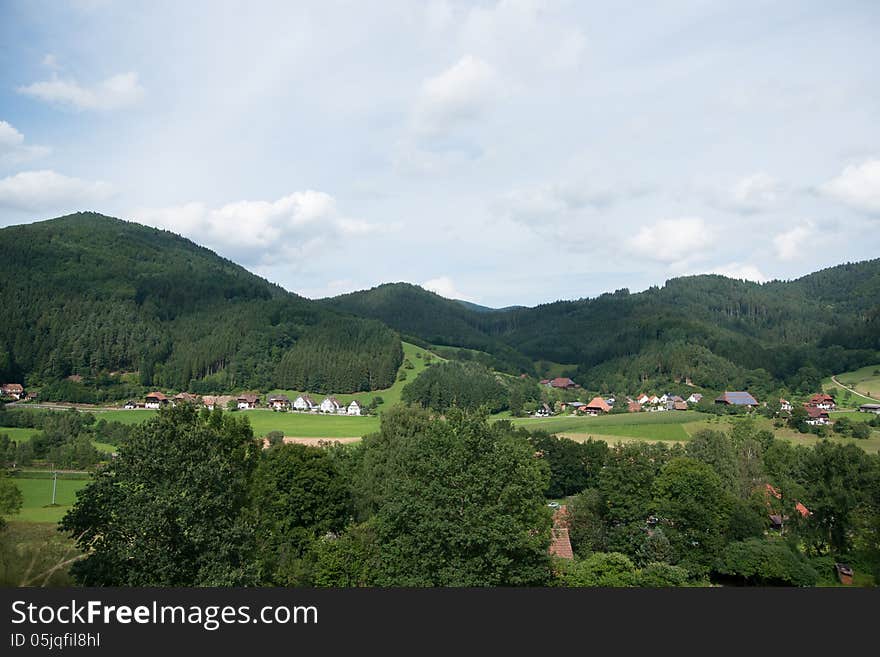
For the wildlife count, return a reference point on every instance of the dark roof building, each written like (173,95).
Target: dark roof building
(738,398)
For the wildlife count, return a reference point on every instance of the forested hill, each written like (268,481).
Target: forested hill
(712,329)
(99,298)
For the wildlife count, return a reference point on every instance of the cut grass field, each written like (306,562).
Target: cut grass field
(669,425)
(865,380)
(37,494)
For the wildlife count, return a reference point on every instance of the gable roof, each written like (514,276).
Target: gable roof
(560,543)
(562,382)
(278,398)
(599,403)
(739,398)
(157,395)
(816,413)
(821,398)
(248,398)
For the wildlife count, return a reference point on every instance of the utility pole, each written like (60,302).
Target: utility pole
(54,485)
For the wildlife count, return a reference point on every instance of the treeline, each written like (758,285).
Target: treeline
(458,501)
(115,305)
(337,357)
(193,500)
(465,385)
(65,438)
(704,327)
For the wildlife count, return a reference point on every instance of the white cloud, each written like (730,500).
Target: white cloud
(756,192)
(445,287)
(675,241)
(13,150)
(790,244)
(118,91)
(858,186)
(458,94)
(740,271)
(261,232)
(48,190)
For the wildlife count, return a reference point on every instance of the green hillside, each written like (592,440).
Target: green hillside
(716,331)
(123,306)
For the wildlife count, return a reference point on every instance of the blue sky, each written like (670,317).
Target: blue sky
(512,152)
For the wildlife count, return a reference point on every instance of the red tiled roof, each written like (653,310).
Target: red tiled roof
(13,387)
(598,403)
(562,382)
(816,413)
(560,544)
(820,398)
(248,398)
(634,407)
(157,395)
(804,511)
(775,493)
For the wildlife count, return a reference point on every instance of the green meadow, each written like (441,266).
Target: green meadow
(19,434)
(37,494)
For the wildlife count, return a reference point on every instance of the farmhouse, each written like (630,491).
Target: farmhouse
(279,403)
(817,416)
(185,398)
(14,390)
(738,398)
(247,401)
(130,404)
(353,408)
(156,400)
(642,398)
(870,408)
(221,401)
(304,403)
(823,401)
(784,405)
(598,405)
(563,383)
(330,405)
(695,398)
(544,411)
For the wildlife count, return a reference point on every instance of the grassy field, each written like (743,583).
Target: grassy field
(865,380)
(18,434)
(669,425)
(37,494)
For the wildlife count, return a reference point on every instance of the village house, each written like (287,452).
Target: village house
(653,400)
(785,405)
(279,403)
(156,400)
(870,408)
(330,405)
(222,401)
(823,401)
(247,401)
(695,398)
(596,406)
(354,408)
(676,403)
(304,403)
(642,399)
(185,398)
(563,383)
(543,410)
(738,398)
(817,416)
(130,404)
(13,390)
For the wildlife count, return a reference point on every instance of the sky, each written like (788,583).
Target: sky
(509,152)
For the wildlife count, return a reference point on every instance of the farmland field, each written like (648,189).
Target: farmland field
(865,380)
(304,425)
(37,494)
(669,425)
